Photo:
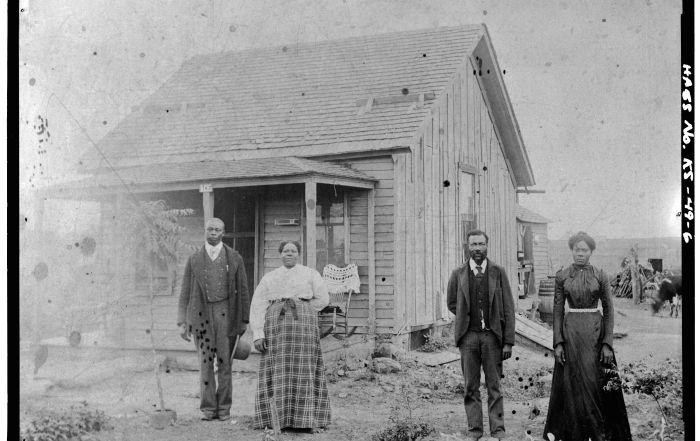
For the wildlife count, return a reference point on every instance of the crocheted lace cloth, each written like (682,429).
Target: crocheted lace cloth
(341,280)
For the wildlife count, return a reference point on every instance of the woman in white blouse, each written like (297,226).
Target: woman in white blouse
(284,321)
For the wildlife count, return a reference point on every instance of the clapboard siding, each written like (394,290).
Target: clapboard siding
(279,203)
(382,169)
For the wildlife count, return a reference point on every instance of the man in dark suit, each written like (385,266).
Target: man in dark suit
(214,306)
(478,294)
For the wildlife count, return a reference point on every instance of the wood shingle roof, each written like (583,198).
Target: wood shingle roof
(301,96)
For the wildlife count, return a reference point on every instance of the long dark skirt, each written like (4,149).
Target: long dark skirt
(579,408)
(291,370)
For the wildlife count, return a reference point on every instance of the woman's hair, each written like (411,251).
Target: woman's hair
(581,236)
(285,242)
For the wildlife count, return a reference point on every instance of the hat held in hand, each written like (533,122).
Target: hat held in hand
(241,350)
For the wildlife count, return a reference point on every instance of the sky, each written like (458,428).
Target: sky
(594,86)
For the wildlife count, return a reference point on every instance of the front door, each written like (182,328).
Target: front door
(238,208)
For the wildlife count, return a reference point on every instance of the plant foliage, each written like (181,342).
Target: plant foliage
(74,423)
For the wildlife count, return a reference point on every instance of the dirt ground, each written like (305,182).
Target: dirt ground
(123,386)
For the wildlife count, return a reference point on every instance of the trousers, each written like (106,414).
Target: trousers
(215,389)
(479,349)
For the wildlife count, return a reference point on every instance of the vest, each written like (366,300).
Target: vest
(478,301)
(216,278)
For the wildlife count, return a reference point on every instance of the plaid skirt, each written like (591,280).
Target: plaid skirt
(291,374)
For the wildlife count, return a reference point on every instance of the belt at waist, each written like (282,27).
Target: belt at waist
(289,303)
(583,309)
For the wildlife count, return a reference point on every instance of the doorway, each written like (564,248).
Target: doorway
(239,209)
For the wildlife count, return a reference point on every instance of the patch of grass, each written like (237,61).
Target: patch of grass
(434,343)
(74,423)
(403,426)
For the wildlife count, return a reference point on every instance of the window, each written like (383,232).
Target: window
(467,211)
(330,226)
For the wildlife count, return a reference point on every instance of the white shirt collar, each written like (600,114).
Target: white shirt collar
(213,250)
(472,266)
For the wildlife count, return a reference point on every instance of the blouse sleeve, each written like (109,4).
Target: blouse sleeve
(608,308)
(258,308)
(558,309)
(320,297)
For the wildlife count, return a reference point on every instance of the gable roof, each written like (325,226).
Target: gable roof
(525,215)
(305,99)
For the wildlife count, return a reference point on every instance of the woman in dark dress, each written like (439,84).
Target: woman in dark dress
(579,407)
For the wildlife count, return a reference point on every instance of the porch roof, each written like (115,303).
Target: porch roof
(217,174)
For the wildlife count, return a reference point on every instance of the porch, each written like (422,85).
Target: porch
(328,208)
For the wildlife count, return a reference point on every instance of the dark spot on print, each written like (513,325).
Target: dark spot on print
(214,350)
(503,376)
(546,354)
(424,55)
(206,340)
(87,246)
(488,71)
(41,271)
(528,431)
(404,91)
(479,72)
(517,358)
(484,12)
(211,359)
(285,48)
(104,123)
(504,71)
(223,314)
(383,279)
(200,313)
(148,331)
(206,383)
(167,371)
(142,55)
(49,300)
(232,28)
(221,360)
(445,183)
(513,411)
(32,81)
(525,388)
(303,94)
(604,20)
(94,53)
(474,71)
(520,378)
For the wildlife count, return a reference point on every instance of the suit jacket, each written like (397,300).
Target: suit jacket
(192,305)
(501,304)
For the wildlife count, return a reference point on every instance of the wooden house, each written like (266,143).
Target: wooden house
(380,150)
(533,250)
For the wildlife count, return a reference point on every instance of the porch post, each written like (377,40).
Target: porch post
(310,203)
(371,279)
(207,201)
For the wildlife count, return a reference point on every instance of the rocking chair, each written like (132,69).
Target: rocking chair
(341,283)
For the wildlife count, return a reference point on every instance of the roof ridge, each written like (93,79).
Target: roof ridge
(359,38)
